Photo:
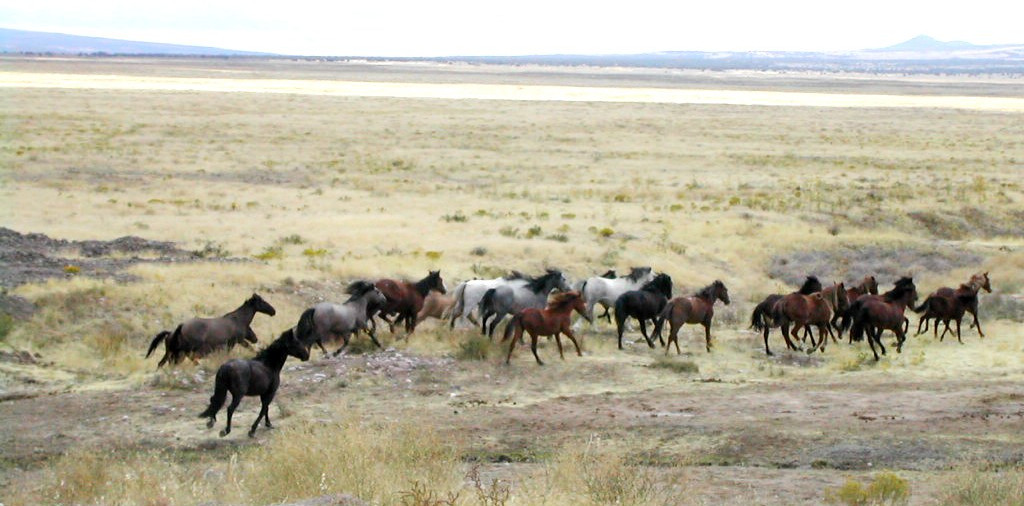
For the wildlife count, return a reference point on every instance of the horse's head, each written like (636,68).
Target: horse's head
(260,306)
(811,285)
(870,285)
(375,298)
(294,345)
(436,283)
(553,279)
(722,292)
(981,282)
(842,302)
(640,274)
(573,300)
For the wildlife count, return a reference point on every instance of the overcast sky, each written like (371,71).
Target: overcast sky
(482,27)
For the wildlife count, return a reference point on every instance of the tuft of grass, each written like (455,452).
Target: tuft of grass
(270,253)
(6,326)
(675,365)
(887,488)
(980,487)
(476,347)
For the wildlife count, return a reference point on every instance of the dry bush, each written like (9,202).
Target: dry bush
(983,487)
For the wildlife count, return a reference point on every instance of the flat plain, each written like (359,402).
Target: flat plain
(292,178)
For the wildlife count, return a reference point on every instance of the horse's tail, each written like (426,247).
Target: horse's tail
(164,334)
(924,305)
(759,318)
(858,314)
(848,316)
(516,322)
(659,322)
(220,393)
(304,328)
(486,302)
(459,295)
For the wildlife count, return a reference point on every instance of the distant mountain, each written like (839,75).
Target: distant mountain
(925,43)
(23,41)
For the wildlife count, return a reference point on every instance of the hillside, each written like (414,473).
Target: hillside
(23,41)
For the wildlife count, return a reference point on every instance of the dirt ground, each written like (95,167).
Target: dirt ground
(770,441)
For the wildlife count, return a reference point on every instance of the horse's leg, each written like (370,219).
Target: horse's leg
(533,348)
(517,336)
(785,335)
(900,337)
(766,350)
(498,316)
(922,321)
(607,313)
(344,345)
(236,398)
(707,335)
(958,331)
(643,331)
(878,338)
(871,342)
(483,322)
(264,410)
(977,324)
(558,341)
(568,333)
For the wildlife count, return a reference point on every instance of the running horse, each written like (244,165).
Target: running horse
(550,321)
(873,315)
(804,311)
(405,299)
(201,336)
(697,308)
(962,295)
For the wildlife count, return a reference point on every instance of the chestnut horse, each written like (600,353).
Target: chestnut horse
(697,308)
(876,314)
(435,305)
(977,283)
(405,299)
(945,309)
(550,321)
(761,318)
(867,285)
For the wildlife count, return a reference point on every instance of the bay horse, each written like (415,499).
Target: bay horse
(550,321)
(945,309)
(978,282)
(761,318)
(260,376)
(468,294)
(512,298)
(405,298)
(605,290)
(867,285)
(329,322)
(847,318)
(200,336)
(643,304)
(804,311)
(697,308)
(873,314)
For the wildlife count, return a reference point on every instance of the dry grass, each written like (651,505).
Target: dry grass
(315,190)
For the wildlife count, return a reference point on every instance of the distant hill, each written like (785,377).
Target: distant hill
(23,41)
(926,43)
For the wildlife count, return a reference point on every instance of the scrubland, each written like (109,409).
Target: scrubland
(294,195)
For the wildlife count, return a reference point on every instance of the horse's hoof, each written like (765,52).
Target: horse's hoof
(224,432)
(252,433)
(210,422)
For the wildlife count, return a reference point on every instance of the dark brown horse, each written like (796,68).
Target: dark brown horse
(550,321)
(804,311)
(260,376)
(761,319)
(867,285)
(697,308)
(200,336)
(644,304)
(405,299)
(945,309)
(873,314)
(953,298)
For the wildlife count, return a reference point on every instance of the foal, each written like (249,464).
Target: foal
(259,376)
(550,321)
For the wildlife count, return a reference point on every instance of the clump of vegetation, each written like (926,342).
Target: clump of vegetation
(6,325)
(887,488)
(476,347)
(291,239)
(478,251)
(533,231)
(984,487)
(675,365)
(270,253)
(456,217)
(212,249)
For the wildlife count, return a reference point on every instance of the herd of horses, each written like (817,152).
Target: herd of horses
(543,305)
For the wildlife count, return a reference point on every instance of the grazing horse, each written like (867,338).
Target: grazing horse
(328,322)
(405,298)
(644,304)
(867,285)
(806,310)
(550,321)
(510,299)
(468,294)
(977,283)
(259,376)
(605,291)
(875,314)
(435,305)
(761,319)
(200,336)
(697,308)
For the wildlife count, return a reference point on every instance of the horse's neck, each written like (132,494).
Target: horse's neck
(422,287)
(243,314)
(275,358)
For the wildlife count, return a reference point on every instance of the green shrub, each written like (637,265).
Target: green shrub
(886,488)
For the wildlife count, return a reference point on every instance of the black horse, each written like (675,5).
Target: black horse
(200,336)
(643,304)
(259,376)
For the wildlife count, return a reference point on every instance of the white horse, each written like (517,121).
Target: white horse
(604,291)
(468,294)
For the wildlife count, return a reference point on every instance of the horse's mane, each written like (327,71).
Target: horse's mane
(537,284)
(357,289)
(560,300)
(904,285)
(274,346)
(661,284)
(636,273)
(811,285)
(609,274)
(709,291)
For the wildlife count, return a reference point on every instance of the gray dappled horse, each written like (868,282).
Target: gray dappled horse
(329,322)
(510,299)
(200,336)
(605,291)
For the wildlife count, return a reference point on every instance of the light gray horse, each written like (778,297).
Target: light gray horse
(468,294)
(327,322)
(510,299)
(604,291)
(200,336)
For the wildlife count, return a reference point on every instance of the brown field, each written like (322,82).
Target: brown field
(291,179)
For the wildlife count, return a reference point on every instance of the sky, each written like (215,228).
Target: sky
(522,27)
